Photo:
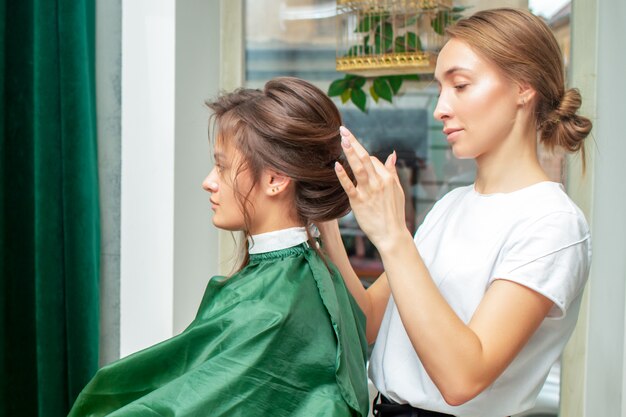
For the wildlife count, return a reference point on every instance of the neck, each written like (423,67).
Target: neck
(273,227)
(512,165)
(274,217)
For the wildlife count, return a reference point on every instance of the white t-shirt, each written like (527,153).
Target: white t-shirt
(536,237)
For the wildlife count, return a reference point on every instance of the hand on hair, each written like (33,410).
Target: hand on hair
(377,199)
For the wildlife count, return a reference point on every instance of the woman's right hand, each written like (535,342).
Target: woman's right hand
(377,199)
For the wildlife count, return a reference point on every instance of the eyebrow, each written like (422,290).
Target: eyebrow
(451,71)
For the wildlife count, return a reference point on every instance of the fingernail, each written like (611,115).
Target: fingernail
(344,131)
(345,142)
(395,156)
(338,167)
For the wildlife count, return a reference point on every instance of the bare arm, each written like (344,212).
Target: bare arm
(461,359)
(372,301)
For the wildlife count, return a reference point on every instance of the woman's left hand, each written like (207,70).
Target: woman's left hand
(377,199)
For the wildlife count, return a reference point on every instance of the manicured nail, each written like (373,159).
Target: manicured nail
(345,142)
(344,131)
(338,167)
(395,157)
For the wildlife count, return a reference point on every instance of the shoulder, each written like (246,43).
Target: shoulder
(549,247)
(268,291)
(546,209)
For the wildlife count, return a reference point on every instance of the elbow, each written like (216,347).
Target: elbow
(461,393)
(456,400)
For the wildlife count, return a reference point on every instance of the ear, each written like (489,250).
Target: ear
(274,183)
(525,94)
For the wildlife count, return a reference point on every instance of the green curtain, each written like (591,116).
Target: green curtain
(49,219)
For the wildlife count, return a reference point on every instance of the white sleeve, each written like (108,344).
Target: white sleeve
(551,256)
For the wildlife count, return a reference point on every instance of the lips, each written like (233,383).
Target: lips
(451,132)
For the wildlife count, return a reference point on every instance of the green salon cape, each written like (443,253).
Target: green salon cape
(282,337)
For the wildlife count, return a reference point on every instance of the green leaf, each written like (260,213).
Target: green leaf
(354,50)
(357,81)
(440,22)
(377,49)
(384,40)
(412,20)
(399,44)
(395,81)
(388,30)
(411,77)
(413,41)
(373,94)
(337,87)
(367,23)
(345,96)
(383,89)
(359,98)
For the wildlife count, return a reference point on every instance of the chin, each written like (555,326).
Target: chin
(227,226)
(459,154)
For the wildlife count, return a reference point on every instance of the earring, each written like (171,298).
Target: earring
(274,190)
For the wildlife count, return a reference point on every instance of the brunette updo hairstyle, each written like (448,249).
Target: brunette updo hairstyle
(525,50)
(291,127)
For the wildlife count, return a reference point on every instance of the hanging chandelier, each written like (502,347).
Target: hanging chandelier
(390,37)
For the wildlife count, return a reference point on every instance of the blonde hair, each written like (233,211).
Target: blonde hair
(525,50)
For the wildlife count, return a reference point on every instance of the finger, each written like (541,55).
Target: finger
(358,170)
(382,170)
(358,158)
(390,164)
(388,170)
(345,181)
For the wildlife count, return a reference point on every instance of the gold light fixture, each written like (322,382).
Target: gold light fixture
(390,37)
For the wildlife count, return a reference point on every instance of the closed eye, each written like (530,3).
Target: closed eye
(460,87)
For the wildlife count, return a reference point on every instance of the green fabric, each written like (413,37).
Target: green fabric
(282,337)
(49,223)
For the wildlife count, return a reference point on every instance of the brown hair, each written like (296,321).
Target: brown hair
(291,127)
(525,49)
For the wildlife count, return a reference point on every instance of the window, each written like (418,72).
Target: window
(298,38)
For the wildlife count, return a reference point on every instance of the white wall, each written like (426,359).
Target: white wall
(607,292)
(168,250)
(197,79)
(109,102)
(147,204)
(594,363)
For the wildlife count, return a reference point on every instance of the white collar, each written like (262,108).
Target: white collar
(276,240)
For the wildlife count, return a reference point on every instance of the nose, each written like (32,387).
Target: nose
(442,109)
(210,183)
